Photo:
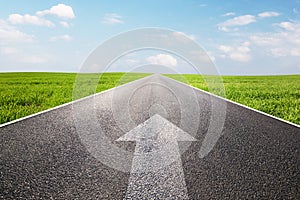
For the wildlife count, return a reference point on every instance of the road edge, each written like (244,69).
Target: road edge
(69,103)
(236,103)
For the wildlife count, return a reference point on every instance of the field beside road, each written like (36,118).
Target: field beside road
(22,94)
(276,95)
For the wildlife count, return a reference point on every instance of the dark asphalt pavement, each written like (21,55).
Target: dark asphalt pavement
(72,152)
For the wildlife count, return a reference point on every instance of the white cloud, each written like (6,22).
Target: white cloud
(268,14)
(162,59)
(10,34)
(8,50)
(60,10)
(285,42)
(238,53)
(33,60)
(112,18)
(295,52)
(278,52)
(64,24)
(66,38)
(29,19)
(225,49)
(265,40)
(242,20)
(287,25)
(236,21)
(281,52)
(228,14)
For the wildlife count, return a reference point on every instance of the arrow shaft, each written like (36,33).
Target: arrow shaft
(151,178)
(156,171)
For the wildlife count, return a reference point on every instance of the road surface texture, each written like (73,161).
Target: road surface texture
(48,156)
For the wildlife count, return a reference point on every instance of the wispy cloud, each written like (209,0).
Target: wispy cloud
(269,14)
(8,50)
(236,21)
(202,5)
(66,38)
(112,18)
(288,26)
(228,14)
(64,24)
(181,35)
(29,19)
(233,23)
(285,42)
(9,34)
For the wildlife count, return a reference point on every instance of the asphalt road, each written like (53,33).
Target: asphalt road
(72,153)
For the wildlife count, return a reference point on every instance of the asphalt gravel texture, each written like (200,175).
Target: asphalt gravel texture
(47,156)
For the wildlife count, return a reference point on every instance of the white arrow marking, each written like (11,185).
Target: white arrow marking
(156,171)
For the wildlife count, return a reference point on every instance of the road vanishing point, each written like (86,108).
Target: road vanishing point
(153,138)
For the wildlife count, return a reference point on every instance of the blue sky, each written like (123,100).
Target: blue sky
(241,37)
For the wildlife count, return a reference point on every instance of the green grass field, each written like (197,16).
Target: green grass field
(22,94)
(275,95)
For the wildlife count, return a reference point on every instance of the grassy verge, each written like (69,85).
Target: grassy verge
(22,94)
(275,95)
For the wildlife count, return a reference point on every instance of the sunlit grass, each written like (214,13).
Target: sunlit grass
(22,94)
(275,95)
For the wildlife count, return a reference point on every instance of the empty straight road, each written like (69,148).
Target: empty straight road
(203,147)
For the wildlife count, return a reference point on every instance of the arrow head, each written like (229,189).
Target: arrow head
(156,128)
